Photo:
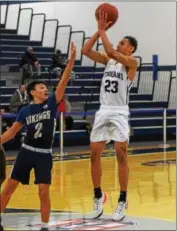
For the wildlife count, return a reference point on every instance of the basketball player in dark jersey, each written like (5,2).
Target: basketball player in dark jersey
(39,119)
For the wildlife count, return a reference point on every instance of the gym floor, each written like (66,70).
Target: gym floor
(151,192)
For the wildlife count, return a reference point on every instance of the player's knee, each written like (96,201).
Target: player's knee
(93,154)
(44,193)
(122,159)
(93,157)
(96,150)
(122,155)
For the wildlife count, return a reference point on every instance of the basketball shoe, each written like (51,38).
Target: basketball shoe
(119,213)
(98,206)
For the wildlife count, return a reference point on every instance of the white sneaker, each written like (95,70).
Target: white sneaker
(119,213)
(98,206)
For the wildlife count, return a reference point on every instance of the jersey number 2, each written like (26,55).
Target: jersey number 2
(38,132)
(111,86)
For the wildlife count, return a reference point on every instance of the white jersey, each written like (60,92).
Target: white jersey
(115,85)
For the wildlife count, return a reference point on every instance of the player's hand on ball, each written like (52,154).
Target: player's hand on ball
(102,21)
(73,51)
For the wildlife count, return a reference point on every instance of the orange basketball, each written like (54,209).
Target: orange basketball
(112,12)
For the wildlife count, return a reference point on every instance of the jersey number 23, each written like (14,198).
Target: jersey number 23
(111,86)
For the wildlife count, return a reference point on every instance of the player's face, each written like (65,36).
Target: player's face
(40,92)
(124,47)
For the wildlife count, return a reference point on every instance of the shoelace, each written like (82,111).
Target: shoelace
(96,204)
(120,207)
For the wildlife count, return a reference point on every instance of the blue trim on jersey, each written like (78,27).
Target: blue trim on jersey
(128,89)
(127,96)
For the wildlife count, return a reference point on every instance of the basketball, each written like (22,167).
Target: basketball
(112,12)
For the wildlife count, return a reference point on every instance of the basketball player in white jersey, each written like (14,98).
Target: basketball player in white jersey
(111,120)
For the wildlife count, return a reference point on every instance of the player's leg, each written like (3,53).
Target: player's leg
(10,186)
(2,165)
(123,169)
(123,175)
(96,173)
(43,172)
(96,169)
(45,205)
(20,173)
(6,194)
(99,136)
(121,138)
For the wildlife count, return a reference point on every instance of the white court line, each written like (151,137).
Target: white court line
(77,213)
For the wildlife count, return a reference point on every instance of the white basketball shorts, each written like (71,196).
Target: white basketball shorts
(111,123)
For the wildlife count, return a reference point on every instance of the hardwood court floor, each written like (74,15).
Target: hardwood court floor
(152,189)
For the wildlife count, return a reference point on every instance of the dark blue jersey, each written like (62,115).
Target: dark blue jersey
(40,123)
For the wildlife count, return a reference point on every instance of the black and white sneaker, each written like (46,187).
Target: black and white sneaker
(98,206)
(119,213)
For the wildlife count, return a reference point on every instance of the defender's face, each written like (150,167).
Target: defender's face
(40,92)
(124,47)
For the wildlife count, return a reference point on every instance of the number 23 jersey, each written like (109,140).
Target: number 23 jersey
(40,123)
(115,85)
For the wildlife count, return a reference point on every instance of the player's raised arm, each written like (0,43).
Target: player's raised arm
(94,55)
(66,75)
(128,61)
(11,132)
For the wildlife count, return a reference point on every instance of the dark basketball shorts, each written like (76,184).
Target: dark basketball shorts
(28,160)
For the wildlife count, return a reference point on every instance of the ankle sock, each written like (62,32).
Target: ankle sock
(97,193)
(123,196)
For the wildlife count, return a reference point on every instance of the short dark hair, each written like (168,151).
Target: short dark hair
(31,86)
(133,42)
